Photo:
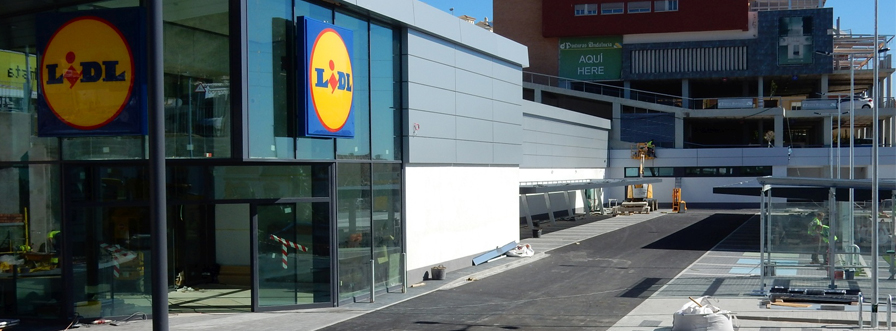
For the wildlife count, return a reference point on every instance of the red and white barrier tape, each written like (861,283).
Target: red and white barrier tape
(284,243)
(115,251)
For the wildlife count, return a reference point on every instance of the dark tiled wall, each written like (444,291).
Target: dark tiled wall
(762,51)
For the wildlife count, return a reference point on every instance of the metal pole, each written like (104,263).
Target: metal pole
(404,272)
(889,312)
(372,280)
(861,307)
(189,117)
(159,224)
(852,138)
(762,246)
(829,254)
(874,178)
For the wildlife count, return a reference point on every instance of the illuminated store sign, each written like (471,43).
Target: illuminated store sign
(328,80)
(91,73)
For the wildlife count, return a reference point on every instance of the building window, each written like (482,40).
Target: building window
(665,5)
(612,8)
(586,9)
(592,9)
(639,7)
(751,171)
(580,10)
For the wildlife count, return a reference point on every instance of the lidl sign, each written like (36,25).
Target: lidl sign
(328,79)
(91,73)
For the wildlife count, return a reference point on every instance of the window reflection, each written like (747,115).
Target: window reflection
(358,147)
(353,229)
(30,241)
(197,79)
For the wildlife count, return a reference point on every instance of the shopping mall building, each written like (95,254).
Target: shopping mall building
(281,193)
(326,152)
(727,90)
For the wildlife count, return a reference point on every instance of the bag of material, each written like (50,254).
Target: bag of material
(521,251)
(702,315)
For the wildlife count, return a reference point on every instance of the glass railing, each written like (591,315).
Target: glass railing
(653,97)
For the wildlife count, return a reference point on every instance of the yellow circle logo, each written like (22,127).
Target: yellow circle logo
(87,72)
(330,69)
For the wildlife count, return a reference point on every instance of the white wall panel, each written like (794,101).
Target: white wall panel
(475,152)
(454,212)
(430,73)
(433,125)
(431,99)
(474,129)
(507,92)
(472,83)
(474,62)
(474,106)
(428,47)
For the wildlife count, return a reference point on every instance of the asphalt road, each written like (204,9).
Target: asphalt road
(587,286)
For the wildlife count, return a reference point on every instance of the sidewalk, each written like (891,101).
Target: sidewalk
(654,313)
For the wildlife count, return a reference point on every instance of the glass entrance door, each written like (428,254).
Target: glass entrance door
(292,250)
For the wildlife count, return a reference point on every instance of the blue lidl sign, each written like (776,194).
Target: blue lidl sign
(91,73)
(327,79)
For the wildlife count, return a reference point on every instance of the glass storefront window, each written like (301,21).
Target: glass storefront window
(387,225)
(188,183)
(197,78)
(353,229)
(30,239)
(110,252)
(18,95)
(270,182)
(271,125)
(298,275)
(357,148)
(385,80)
(102,148)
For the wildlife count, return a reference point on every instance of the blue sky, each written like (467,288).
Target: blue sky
(475,8)
(857,15)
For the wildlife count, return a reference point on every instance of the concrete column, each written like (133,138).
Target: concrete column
(889,88)
(615,129)
(537,93)
(824,84)
(761,104)
(679,130)
(627,92)
(884,131)
(685,93)
(779,131)
(827,130)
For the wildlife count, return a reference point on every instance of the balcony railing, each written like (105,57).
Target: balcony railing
(651,97)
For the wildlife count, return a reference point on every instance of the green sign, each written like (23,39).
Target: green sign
(593,58)
(795,45)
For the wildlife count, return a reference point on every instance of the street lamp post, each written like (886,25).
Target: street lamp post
(875,238)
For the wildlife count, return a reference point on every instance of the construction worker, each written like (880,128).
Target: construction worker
(819,231)
(651,149)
